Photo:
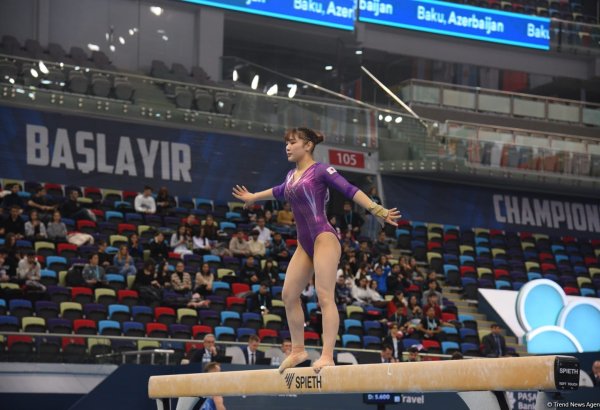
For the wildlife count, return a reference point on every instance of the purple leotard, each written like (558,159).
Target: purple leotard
(308,197)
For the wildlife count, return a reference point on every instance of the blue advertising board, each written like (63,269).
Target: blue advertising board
(459,20)
(336,14)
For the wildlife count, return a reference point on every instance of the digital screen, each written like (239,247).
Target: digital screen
(337,14)
(459,20)
(382,398)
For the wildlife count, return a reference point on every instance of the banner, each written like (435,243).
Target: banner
(69,149)
(475,206)
(336,14)
(459,20)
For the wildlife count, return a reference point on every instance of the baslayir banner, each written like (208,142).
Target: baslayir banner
(472,206)
(68,149)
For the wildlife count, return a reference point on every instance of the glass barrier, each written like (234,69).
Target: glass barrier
(493,101)
(230,105)
(575,37)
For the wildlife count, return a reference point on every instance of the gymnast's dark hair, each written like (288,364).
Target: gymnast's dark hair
(306,134)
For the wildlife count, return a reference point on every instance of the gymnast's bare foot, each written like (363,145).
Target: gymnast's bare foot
(297,356)
(322,362)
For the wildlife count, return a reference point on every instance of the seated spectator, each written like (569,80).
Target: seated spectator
(413,354)
(251,353)
(360,293)
(348,242)
(269,219)
(396,308)
(285,217)
(382,261)
(433,302)
(93,274)
(350,220)
(432,287)
(394,340)
(397,280)
(14,223)
(29,273)
(191,222)
(249,273)
(261,301)
(238,245)
(375,296)
(264,233)
(34,228)
(200,243)
(4,268)
(279,248)
(595,373)
(336,228)
(381,247)
(72,208)
(284,351)
(164,201)
(210,351)
(144,203)
(181,241)
(124,262)
(256,246)
(309,294)
(105,259)
(13,198)
(42,204)
(432,276)
(364,253)
(148,284)
(430,326)
(56,230)
(197,301)
(204,280)
(211,228)
(269,273)
(163,274)
(343,294)
(159,250)
(380,276)
(362,272)
(181,281)
(493,344)
(387,354)
(136,250)
(414,315)
(12,254)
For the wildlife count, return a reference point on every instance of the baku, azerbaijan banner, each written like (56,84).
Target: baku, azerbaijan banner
(487,207)
(69,149)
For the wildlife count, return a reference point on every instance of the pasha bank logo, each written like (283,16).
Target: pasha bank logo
(554,324)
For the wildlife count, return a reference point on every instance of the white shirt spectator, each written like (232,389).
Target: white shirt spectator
(264,234)
(145,204)
(257,247)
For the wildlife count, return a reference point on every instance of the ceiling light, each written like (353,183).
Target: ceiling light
(121,40)
(358,52)
(43,67)
(398,120)
(165,38)
(112,48)
(380,117)
(254,84)
(293,89)
(131,32)
(388,118)
(328,67)
(93,47)
(156,10)
(34,73)
(272,90)
(235,75)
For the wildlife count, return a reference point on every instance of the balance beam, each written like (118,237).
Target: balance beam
(547,373)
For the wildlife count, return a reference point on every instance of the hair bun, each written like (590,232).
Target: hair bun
(318,137)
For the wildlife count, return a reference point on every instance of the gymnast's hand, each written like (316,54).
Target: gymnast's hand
(242,193)
(392,217)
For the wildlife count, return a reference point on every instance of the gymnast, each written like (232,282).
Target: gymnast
(319,250)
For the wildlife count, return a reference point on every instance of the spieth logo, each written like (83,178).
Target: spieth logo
(303,382)
(555,324)
(289,378)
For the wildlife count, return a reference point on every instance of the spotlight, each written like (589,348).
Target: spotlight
(272,90)
(34,73)
(43,67)
(293,89)
(93,47)
(156,10)
(358,52)
(328,67)
(398,120)
(235,75)
(121,40)
(388,118)
(112,48)
(254,84)
(380,117)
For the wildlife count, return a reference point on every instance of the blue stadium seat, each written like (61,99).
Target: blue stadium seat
(354,339)
(448,347)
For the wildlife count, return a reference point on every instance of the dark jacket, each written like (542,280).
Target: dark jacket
(259,355)
(490,347)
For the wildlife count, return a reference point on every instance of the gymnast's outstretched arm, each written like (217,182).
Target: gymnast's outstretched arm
(249,198)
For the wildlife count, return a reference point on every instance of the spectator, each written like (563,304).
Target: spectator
(595,373)
(284,351)
(14,223)
(343,294)
(159,250)
(124,262)
(375,296)
(269,219)
(397,281)
(309,294)
(56,230)
(394,340)
(269,272)
(336,228)
(197,301)
(191,222)
(285,217)
(430,326)
(364,253)
(371,226)
(362,272)
(250,271)
(238,245)
(93,273)
(279,248)
(413,354)
(350,220)
(349,243)
(256,246)
(386,354)
(396,308)
(212,402)
(29,273)
(34,228)
(210,352)
(381,247)
(4,268)
(12,254)
(251,353)
(105,258)
(163,274)
(433,302)
(264,233)
(13,199)
(414,316)
(73,209)
(144,203)
(42,204)
(148,284)
(262,300)
(181,241)
(204,280)
(432,288)
(380,277)
(360,293)
(211,228)
(200,243)
(432,276)
(493,344)
(457,356)
(164,201)
(136,250)
(181,281)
